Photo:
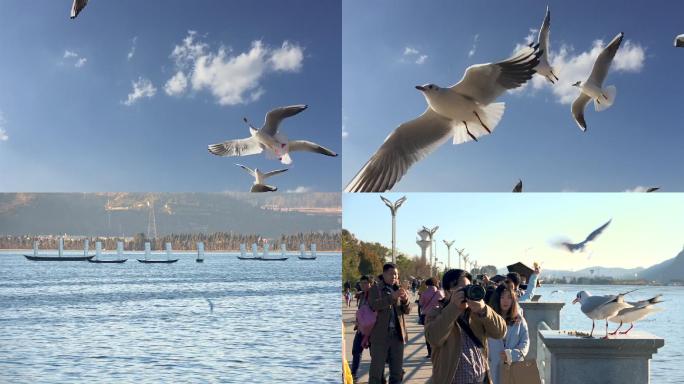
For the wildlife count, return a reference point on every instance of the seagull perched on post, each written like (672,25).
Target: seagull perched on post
(601,307)
(544,68)
(574,247)
(592,88)
(270,139)
(465,111)
(637,311)
(76,7)
(259,178)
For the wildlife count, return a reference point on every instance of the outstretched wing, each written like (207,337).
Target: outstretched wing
(272,173)
(485,82)
(592,236)
(604,59)
(408,144)
(239,147)
(543,38)
(578,110)
(274,117)
(248,169)
(308,146)
(76,7)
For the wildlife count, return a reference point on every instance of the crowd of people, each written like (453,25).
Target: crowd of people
(472,325)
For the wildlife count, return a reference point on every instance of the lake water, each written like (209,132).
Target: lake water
(668,324)
(134,322)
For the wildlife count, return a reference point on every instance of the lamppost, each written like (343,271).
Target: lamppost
(460,256)
(448,244)
(394,207)
(431,233)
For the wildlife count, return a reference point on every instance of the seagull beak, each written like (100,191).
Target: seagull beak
(574,301)
(420,88)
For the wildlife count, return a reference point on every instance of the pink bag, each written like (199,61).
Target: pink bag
(365,318)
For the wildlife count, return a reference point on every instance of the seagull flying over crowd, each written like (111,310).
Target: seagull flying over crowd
(579,247)
(270,139)
(465,112)
(592,88)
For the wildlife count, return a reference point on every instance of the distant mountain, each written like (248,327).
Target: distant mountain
(616,273)
(667,271)
(117,214)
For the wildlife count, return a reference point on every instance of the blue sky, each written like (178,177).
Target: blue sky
(89,105)
(392,45)
(498,228)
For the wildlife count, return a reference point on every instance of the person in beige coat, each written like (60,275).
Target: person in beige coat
(389,335)
(457,332)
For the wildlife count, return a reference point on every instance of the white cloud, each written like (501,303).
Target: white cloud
(141,88)
(71,56)
(231,78)
(300,189)
(410,53)
(474,47)
(131,52)
(287,58)
(176,85)
(3,132)
(571,67)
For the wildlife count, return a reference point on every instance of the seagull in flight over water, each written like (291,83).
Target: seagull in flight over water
(592,88)
(270,139)
(465,111)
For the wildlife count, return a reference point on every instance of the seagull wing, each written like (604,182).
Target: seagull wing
(578,110)
(485,82)
(518,187)
(679,41)
(239,147)
(76,7)
(408,144)
(274,117)
(603,61)
(652,189)
(248,169)
(543,38)
(593,303)
(272,173)
(592,236)
(308,146)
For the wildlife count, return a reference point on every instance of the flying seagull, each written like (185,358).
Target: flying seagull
(464,111)
(76,7)
(574,247)
(270,139)
(679,41)
(600,307)
(259,178)
(544,68)
(592,88)
(637,311)
(518,187)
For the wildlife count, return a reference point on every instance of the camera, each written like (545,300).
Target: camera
(473,292)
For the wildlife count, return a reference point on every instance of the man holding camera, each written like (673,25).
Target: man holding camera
(458,330)
(389,335)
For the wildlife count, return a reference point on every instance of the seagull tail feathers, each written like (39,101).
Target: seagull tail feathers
(490,114)
(607,98)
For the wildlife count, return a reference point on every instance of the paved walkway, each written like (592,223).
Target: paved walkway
(418,368)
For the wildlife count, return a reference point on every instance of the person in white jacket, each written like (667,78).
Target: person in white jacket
(515,345)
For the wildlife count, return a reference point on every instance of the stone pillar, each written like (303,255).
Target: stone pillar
(535,313)
(567,359)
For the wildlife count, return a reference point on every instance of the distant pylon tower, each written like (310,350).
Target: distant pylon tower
(151,222)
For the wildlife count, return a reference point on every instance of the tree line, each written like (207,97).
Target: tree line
(219,241)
